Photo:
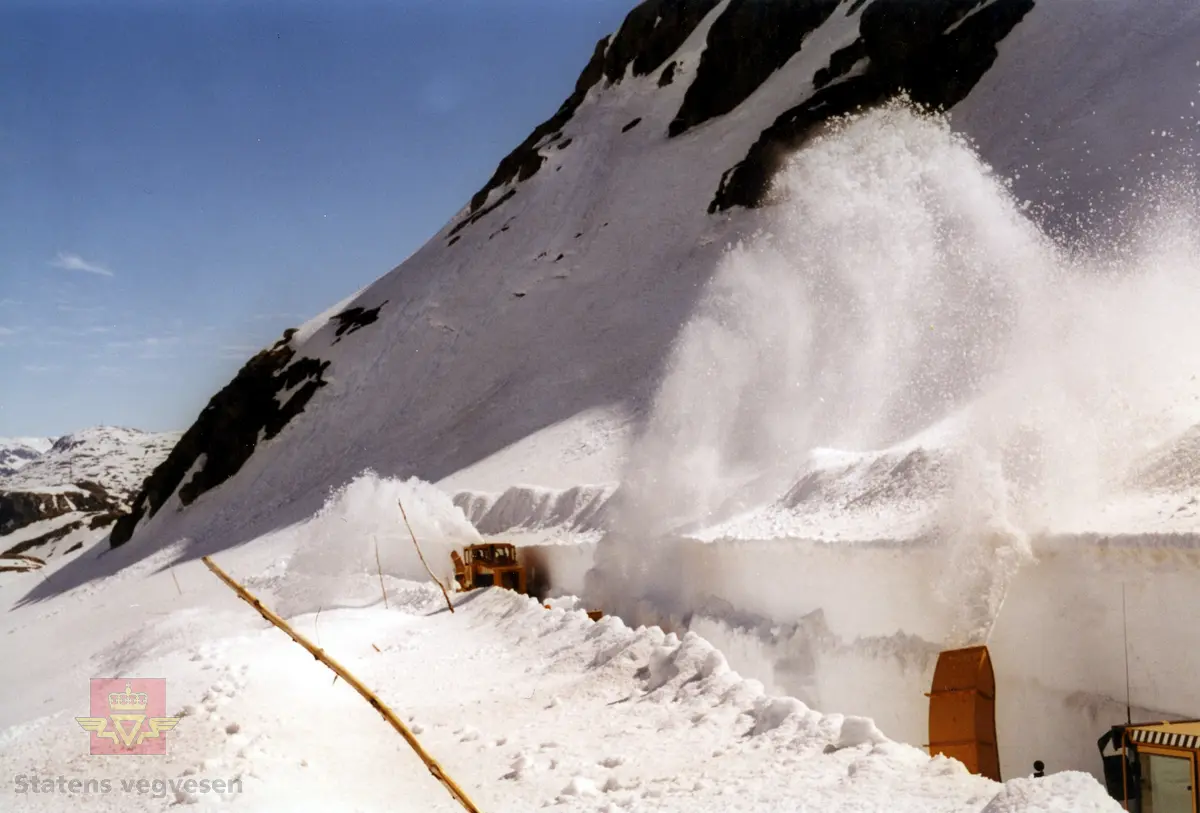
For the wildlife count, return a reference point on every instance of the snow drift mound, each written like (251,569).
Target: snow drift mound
(1066,792)
(335,564)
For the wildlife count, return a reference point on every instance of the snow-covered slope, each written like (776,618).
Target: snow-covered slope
(18,452)
(563,298)
(562,289)
(75,489)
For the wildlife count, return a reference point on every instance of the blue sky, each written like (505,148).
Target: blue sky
(180,182)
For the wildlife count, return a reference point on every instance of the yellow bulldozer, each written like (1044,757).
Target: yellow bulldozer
(495,564)
(489,564)
(1153,767)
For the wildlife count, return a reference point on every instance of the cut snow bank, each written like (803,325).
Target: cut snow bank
(575,514)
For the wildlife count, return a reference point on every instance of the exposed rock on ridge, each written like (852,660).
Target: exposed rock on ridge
(934,51)
(650,34)
(21,508)
(747,43)
(228,430)
(15,455)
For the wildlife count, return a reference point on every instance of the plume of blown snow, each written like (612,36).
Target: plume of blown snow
(901,288)
(334,560)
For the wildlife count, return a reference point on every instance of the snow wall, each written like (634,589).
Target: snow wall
(857,630)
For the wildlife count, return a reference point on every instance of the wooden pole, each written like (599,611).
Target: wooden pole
(418,547)
(379,568)
(340,671)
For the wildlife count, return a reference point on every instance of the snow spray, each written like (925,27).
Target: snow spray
(899,290)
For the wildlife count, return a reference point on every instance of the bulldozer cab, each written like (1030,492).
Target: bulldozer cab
(1153,767)
(499,553)
(490,564)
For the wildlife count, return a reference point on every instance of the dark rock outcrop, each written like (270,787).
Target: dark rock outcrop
(104,519)
(227,431)
(667,76)
(44,539)
(353,319)
(482,213)
(747,43)
(840,63)
(525,160)
(650,34)
(21,508)
(934,51)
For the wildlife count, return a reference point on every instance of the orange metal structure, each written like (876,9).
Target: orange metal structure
(962,710)
(489,564)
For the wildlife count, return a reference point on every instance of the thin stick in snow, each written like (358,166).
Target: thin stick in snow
(176,580)
(379,567)
(340,671)
(418,547)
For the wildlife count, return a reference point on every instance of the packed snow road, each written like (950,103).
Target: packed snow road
(526,708)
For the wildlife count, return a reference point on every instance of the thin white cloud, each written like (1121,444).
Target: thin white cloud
(149,343)
(7,331)
(238,351)
(41,368)
(66,307)
(73,262)
(277,317)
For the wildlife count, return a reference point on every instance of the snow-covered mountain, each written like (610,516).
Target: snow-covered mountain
(554,300)
(18,452)
(740,290)
(76,487)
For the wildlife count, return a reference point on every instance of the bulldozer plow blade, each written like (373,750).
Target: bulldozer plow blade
(962,710)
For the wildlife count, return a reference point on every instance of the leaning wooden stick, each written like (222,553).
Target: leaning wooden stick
(379,568)
(418,547)
(340,671)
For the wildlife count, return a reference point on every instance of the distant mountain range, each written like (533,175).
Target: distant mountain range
(55,491)
(16,453)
